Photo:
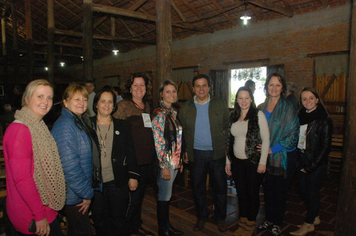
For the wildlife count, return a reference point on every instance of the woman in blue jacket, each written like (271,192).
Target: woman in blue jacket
(78,149)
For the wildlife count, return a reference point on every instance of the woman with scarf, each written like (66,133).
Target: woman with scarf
(248,129)
(283,126)
(167,134)
(78,148)
(34,175)
(119,169)
(314,147)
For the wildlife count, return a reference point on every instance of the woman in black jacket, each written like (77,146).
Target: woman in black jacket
(314,147)
(119,169)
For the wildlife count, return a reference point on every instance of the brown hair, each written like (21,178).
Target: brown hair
(73,89)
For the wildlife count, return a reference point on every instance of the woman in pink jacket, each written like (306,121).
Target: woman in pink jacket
(34,175)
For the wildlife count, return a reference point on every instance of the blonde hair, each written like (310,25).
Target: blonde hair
(31,87)
(73,89)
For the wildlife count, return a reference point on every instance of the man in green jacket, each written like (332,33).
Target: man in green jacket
(205,125)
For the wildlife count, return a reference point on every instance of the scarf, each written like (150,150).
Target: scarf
(84,123)
(253,138)
(283,126)
(307,118)
(171,127)
(48,173)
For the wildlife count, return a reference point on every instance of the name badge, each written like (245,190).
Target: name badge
(146,120)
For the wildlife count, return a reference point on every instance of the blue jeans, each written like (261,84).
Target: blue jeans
(204,163)
(165,186)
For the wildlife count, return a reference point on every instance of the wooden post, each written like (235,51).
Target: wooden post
(29,39)
(346,210)
(15,44)
(50,35)
(88,40)
(164,45)
(4,53)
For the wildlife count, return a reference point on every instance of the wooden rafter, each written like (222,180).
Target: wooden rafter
(224,13)
(255,12)
(211,29)
(137,5)
(180,14)
(273,7)
(132,14)
(96,36)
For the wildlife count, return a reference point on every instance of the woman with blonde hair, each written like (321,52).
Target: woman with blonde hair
(34,175)
(167,133)
(78,148)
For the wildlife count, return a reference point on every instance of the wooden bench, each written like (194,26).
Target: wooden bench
(336,154)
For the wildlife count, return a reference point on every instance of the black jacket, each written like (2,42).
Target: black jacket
(318,143)
(123,157)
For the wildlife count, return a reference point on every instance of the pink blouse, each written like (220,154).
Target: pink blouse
(23,202)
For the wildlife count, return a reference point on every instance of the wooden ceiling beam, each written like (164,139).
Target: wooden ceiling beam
(273,7)
(137,5)
(117,39)
(132,14)
(196,12)
(224,13)
(255,12)
(180,14)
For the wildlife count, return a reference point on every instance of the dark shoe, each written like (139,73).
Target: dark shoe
(276,230)
(265,225)
(222,226)
(163,232)
(173,230)
(200,224)
(142,232)
(163,218)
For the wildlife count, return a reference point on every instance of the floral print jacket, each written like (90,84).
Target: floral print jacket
(165,158)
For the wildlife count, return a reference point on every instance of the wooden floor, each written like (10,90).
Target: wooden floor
(183,214)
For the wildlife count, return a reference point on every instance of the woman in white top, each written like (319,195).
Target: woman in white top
(248,151)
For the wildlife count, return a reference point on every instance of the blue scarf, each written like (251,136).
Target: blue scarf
(283,126)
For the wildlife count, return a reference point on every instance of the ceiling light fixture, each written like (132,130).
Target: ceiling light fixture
(245,17)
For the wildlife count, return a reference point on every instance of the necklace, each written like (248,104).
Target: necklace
(103,140)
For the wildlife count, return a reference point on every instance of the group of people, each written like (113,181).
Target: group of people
(102,163)
(272,143)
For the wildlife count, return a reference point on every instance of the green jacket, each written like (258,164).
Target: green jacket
(218,118)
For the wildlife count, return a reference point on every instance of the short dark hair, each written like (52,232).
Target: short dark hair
(98,95)
(130,82)
(117,89)
(281,79)
(90,82)
(249,83)
(201,76)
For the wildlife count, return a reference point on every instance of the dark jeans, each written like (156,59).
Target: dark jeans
(136,197)
(247,182)
(109,210)
(204,163)
(309,187)
(275,191)
(54,227)
(78,224)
